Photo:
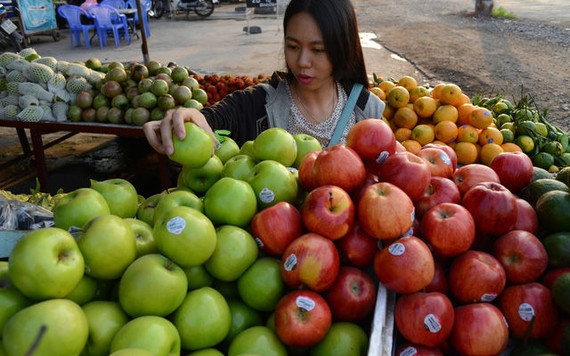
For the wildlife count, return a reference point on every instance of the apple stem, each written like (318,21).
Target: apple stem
(36,342)
(169,264)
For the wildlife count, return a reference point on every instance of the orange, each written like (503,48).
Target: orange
(408,82)
(446,131)
(466,152)
(445,112)
(490,135)
(378,92)
(398,97)
(489,151)
(425,106)
(405,117)
(386,86)
(451,94)
(412,146)
(417,93)
(481,118)
(436,91)
(463,112)
(511,147)
(464,99)
(403,134)
(467,133)
(388,112)
(424,134)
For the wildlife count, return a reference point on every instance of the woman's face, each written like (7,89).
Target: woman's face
(305,52)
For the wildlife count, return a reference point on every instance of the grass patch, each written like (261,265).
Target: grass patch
(503,13)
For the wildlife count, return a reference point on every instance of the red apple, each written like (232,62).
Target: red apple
(476,276)
(357,248)
(276,226)
(372,139)
(352,296)
(526,217)
(311,261)
(439,190)
(357,193)
(480,329)
(339,165)
(302,318)
(424,318)
(552,275)
(328,210)
(385,211)
(529,310)
(515,170)
(522,255)
(411,349)
(306,175)
(493,207)
(449,229)
(471,174)
(405,266)
(449,150)
(439,281)
(438,161)
(406,171)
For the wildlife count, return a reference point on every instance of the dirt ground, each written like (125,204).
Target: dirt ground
(446,43)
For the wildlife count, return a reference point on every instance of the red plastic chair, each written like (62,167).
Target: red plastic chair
(108,19)
(75,16)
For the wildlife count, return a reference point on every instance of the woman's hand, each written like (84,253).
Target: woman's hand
(159,133)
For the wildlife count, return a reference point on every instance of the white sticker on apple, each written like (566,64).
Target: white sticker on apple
(259,242)
(266,195)
(409,351)
(176,225)
(488,297)
(397,249)
(290,263)
(382,157)
(431,323)
(305,303)
(526,312)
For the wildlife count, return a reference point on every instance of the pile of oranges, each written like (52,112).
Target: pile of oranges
(442,115)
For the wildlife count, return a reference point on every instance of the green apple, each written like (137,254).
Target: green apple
(227,289)
(226,149)
(185,235)
(243,317)
(198,277)
(342,339)
(46,263)
(11,302)
(144,239)
(145,211)
(203,320)
(238,167)
(195,149)
(131,351)
(257,340)
(305,144)
(62,323)
(152,285)
(85,290)
(235,251)
(120,194)
(246,148)
(104,318)
(261,285)
(272,183)
(108,245)
(275,144)
(206,352)
(179,197)
(200,179)
(152,333)
(4,276)
(76,208)
(230,201)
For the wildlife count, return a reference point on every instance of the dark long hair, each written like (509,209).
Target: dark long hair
(337,21)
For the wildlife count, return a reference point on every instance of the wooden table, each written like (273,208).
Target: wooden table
(69,129)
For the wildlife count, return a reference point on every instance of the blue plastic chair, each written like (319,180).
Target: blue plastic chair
(75,15)
(107,19)
(146,5)
(117,4)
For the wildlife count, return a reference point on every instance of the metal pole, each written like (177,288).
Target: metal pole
(144,46)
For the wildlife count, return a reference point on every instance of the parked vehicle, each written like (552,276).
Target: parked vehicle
(202,8)
(10,38)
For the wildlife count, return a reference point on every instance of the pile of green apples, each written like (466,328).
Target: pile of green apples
(183,271)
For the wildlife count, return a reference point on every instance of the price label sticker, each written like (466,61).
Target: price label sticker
(397,249)
(266,195)
(432,324)
(176,225)
(526,312)
(305,303)
(488,297)
(290,263)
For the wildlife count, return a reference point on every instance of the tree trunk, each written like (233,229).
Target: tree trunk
(483,8)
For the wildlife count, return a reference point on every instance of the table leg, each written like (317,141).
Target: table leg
(40,157)
(23,141)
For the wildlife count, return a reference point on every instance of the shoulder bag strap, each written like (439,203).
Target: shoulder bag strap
(345,115)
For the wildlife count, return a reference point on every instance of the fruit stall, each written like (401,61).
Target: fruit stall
(441,228)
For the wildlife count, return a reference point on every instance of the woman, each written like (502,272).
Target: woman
(324,61)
